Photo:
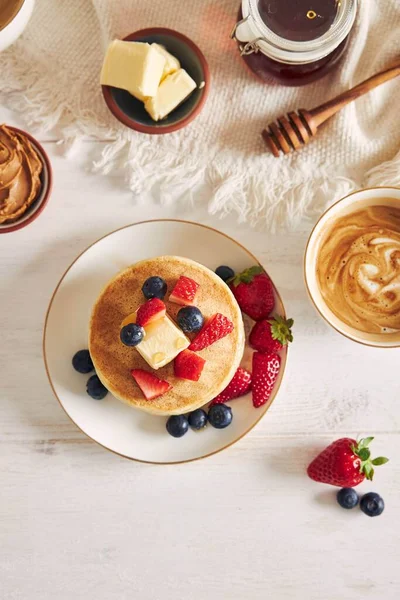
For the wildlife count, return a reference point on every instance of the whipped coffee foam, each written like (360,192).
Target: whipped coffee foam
(358,269)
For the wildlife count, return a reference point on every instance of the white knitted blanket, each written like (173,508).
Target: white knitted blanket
(51,75)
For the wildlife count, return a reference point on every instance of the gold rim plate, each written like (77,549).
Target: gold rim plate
(49,375)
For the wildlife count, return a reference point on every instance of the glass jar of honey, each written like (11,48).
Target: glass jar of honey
(293,42)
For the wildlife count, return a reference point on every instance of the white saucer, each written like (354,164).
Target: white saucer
(114,425)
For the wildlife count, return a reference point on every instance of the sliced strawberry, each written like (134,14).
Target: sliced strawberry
(184,291)
(265,373)
(151,386)
(215,329)
(150,311)
(188,365)
(239,386)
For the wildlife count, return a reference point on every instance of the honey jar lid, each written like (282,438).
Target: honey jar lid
(298,31)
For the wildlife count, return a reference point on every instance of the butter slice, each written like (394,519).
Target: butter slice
(133,66)
(162,343)
(173,90)
(172,64)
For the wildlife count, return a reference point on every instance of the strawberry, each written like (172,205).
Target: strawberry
(239,386)
(188,365)
(271,335)
(345,463)
(215,329)
(184,291)
(150,311)
(254,292)
(265,373)
(151,386)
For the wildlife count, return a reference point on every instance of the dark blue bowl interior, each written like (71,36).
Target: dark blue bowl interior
(189,60)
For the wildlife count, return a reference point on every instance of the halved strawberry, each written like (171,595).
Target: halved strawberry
(239,386)
(151,386)
(265,373)
(188,365)
(150,311)
(184,291)
(215,329)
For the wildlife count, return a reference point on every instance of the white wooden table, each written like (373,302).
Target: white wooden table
(78,522)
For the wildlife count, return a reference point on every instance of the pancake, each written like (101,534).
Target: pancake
(113,361)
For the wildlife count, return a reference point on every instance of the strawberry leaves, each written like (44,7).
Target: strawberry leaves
(381,460)
(281,329)
(364,442)
(246,276)
(364,454)
(368,471)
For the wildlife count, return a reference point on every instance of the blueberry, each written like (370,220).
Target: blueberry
(82,362)
(220,416)
(95,388)
(190,319)
(177,425)
(198,419)
(132,334)
(154,287)
(372,504)
(347,498)
(225,272)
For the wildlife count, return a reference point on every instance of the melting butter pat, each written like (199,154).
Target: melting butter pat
(172,64)
(128,320)
(162,343)
(172,91)
(133,66)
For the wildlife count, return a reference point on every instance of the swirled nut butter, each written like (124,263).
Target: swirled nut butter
(358,269)
(20,169)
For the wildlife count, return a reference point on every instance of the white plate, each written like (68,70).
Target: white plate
(114,425)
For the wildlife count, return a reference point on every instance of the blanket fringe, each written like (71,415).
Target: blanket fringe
(278,200)
(385,174)
(269,194)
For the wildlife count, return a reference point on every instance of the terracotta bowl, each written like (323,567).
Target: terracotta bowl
(131,112)
(47,181)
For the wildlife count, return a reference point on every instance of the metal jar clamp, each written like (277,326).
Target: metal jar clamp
(250,47)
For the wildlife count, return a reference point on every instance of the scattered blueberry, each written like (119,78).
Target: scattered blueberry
(372,504)
(220,416)
(95,388)
(225,272)
(190,319)
(82,362)
(198,419)
(154,287)
(347,497)
(132,334)
(177,425)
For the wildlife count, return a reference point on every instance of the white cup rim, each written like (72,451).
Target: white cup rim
(308,268)
(13,15)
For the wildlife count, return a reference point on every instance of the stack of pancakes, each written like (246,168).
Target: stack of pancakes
(113,361)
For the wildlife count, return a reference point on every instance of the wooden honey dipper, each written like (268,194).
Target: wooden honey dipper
(291,132)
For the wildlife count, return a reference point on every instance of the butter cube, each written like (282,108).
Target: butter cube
(172,91)
(172,64)
(162,343)
(133,66)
